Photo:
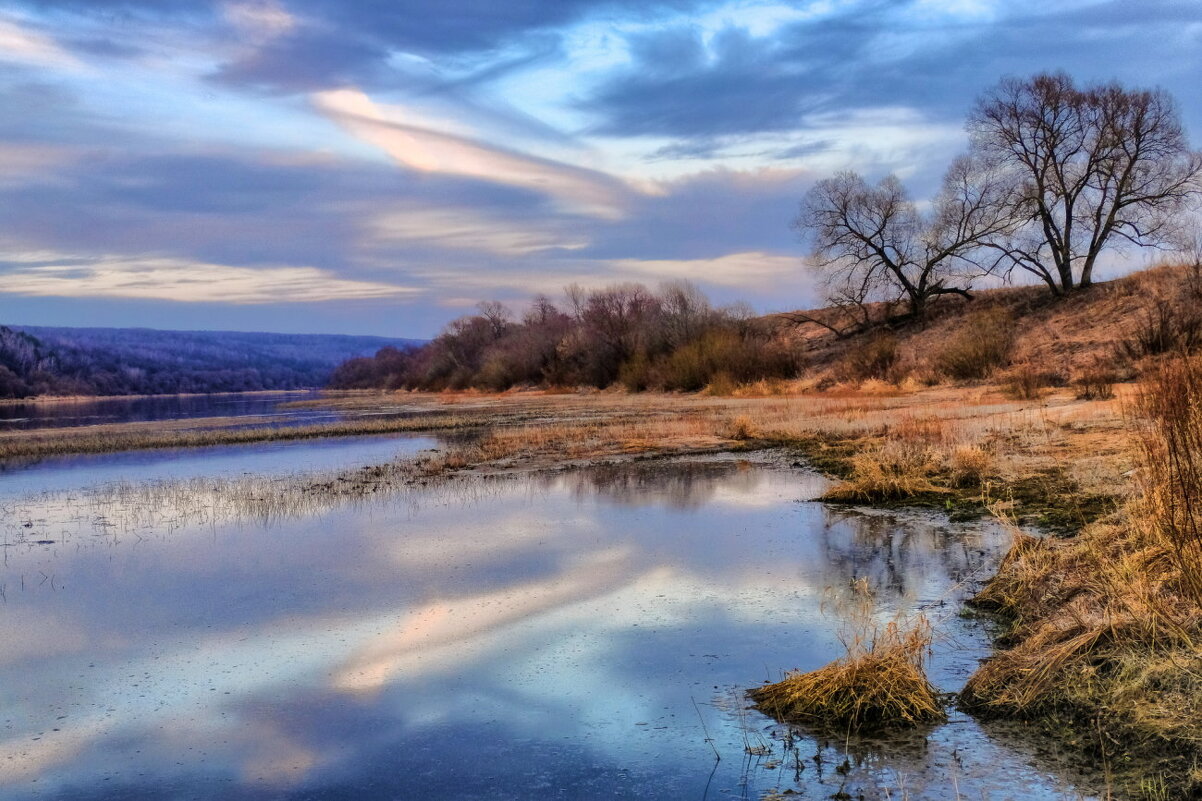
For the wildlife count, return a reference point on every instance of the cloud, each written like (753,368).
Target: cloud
(678,84)
(743,270)
(467,229)
(22,46)
(426,150)
(260,19)
(186,281)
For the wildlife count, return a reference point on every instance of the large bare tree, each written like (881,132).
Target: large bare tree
(1092,168)
(873,243)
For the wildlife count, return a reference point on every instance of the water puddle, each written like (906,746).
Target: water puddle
(582,634)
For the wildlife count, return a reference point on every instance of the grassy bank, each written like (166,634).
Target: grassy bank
(1105,639)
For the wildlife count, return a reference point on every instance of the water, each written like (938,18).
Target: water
(584,634)
(96,411)
(59,473)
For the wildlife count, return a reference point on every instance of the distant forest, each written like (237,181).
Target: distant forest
(139,361)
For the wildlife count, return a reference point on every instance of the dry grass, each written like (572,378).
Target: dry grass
(149,436)
(1171,478)
(880,684)
(895,470)
(1106,639)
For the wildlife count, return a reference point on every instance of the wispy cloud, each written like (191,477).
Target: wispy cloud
(428,150)
(755,270)
(185,281)
(20,45)
(467,229)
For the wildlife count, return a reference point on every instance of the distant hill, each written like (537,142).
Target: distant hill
(38,360)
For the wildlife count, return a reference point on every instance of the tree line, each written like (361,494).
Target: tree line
(129,361)
(672,338)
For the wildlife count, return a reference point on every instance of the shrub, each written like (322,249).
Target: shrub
(1164,326)
(1027,382)
(635,372)
(721,385)
(740,358)
(874,358)
(982,344)
(1096,383)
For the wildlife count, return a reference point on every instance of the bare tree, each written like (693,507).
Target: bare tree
(498,316)
(1091,168)
(873,244)
(686,311)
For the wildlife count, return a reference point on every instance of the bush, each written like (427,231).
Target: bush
(981,345)
(874,358)
(722,385)
(724,356)
(1027,382)
(1096,383)
(635,373)
(1164,326)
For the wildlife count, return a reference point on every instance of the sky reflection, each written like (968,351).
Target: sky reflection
(549,639)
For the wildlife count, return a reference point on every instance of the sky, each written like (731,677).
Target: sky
(380,166)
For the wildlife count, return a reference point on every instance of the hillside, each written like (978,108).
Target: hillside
(1110,326)
(36,360)
(673,339)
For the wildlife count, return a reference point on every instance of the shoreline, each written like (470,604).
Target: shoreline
(64,399)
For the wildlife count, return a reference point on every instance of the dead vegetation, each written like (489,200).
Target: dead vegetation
(1105,644)
(40,443)
(880,684)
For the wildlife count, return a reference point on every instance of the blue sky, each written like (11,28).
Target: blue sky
(379,166)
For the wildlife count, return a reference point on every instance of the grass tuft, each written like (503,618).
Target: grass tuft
(881,684)
(896,470)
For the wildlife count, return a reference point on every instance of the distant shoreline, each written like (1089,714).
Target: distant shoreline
(52,399)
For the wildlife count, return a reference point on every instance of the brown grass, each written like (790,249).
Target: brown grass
(1171,476)
(879,685)
(1106,638)
(149,436)
(895,470)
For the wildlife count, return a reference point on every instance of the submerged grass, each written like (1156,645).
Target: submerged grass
(879,684)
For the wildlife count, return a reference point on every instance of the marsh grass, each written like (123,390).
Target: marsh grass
(880,684)
(894,471)
(1105,642)
(150,436)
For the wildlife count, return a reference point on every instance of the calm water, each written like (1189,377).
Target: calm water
(582,635)
(96,411)
(58,473)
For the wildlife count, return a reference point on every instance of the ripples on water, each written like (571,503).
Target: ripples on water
(579,634)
